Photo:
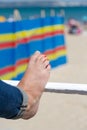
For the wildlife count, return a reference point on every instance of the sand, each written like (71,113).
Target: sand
(75,70)
(61,111)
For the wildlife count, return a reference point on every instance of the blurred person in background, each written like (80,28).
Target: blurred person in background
(74,27)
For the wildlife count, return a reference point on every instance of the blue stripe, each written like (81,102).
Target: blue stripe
(11,56)
(11,27)
(59,61)
(18,77)
(7,57)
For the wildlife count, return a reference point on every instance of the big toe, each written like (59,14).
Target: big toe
(35,56)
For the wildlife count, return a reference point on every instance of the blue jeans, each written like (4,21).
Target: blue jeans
(11,101)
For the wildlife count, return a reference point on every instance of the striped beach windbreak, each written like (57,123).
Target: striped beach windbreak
(20,39)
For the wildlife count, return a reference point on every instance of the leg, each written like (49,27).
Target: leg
(10,100)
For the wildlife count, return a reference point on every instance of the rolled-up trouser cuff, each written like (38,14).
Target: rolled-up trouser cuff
(23,106)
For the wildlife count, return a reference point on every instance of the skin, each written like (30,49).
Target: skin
(34,82)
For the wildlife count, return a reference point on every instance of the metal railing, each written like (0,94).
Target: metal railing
(68,88)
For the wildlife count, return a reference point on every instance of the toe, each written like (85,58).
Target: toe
(48,67)
(42,58)
(46,63)
(36,55)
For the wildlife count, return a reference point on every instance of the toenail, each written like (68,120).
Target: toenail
(38,52)
(45,56)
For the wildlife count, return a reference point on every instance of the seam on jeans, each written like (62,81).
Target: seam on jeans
(23,106)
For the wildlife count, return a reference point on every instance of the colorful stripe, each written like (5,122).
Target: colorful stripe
(20,40)
(28,39)
(25,34)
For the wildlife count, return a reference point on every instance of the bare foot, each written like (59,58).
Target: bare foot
(34,81)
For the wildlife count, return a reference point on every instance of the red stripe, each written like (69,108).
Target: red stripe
(7,45)
(24,61)
(12,68)
(54,50)
(28,39)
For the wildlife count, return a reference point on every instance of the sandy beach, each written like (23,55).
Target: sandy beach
(75,70)
(61,111)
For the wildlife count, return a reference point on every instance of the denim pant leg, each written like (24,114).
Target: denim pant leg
(11,100)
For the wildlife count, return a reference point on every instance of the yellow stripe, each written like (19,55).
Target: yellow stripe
(25,34)
(13,74)
(56,55)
